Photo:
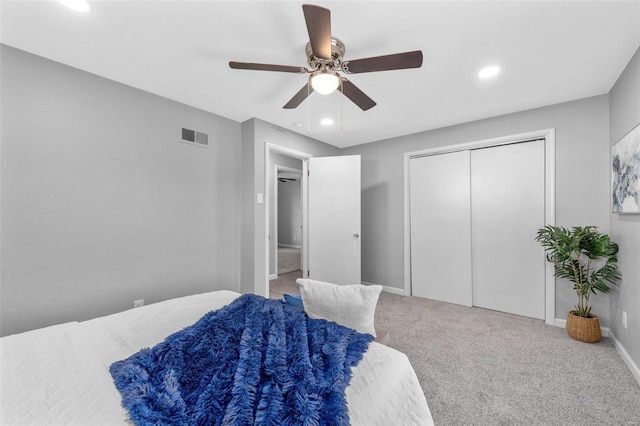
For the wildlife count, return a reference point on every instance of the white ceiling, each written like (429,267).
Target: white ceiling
(549,51)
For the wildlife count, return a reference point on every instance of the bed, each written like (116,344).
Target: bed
(59,375)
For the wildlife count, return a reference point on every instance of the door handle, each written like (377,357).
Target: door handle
(356,235)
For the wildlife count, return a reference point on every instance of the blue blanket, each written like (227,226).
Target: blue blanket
(253,362)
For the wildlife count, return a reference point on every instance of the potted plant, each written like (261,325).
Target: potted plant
(588,259)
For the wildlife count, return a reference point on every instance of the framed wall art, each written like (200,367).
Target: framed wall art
(625,173)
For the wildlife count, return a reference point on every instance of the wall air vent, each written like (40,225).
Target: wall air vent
(194,137)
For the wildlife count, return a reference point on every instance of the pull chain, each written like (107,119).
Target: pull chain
(341,109)
(308,108)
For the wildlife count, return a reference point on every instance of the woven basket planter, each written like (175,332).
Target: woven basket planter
(583,329)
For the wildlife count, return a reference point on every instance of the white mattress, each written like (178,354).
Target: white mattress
(59,375)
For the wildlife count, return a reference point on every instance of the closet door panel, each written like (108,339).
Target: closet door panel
(507,204)
(440,227)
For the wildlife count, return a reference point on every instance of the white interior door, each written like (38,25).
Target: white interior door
(440,227)
(508,206)
(334,219)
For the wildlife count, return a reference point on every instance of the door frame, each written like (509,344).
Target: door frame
(268,175)
(549,135)
(277,170)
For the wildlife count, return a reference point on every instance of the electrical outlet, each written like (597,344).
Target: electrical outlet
(624,319)
(138,303)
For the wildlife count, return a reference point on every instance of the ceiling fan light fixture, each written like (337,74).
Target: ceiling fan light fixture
(325,82)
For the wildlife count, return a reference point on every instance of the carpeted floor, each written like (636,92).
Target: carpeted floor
(289,260)
(481,367)
(285,283)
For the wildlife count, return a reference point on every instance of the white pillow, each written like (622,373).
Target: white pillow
(352,306)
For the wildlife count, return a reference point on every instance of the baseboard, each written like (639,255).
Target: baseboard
(387,289)
(273,277)
(393,290)
(606,332)
(626,357)
(562,323)
(289,246)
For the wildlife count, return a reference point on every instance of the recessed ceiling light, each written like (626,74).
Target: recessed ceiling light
(77,5)
(489,72)
(326,121)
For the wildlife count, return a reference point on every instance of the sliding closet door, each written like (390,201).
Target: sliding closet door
(507,203)
(440,227)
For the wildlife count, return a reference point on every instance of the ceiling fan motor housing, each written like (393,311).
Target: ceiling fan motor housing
(337,53)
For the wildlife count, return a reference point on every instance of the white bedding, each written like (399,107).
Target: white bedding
(59,375)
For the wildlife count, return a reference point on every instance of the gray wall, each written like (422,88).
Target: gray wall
(625,229)
(582,182)
(101,204)
(249,207)
(290,213)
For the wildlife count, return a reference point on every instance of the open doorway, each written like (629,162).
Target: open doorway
(335,192)
(290,164)
(287,247)
(288,220)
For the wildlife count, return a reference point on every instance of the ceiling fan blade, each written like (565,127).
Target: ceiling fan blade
(356,95)
(299,97)
(318,21)
(267,67)
(396,61)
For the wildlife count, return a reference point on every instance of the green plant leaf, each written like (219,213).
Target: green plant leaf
(572,252)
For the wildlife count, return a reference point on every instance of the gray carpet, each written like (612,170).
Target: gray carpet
(481,367)
(289,260)
(285,283)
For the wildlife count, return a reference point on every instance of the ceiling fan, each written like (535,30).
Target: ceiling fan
(325,58)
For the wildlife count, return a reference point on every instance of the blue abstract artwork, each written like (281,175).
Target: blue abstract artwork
(625,173)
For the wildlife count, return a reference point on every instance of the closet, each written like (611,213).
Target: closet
(473,219)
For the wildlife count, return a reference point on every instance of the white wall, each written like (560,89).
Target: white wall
(582,179)
(625,229)
(101,204)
